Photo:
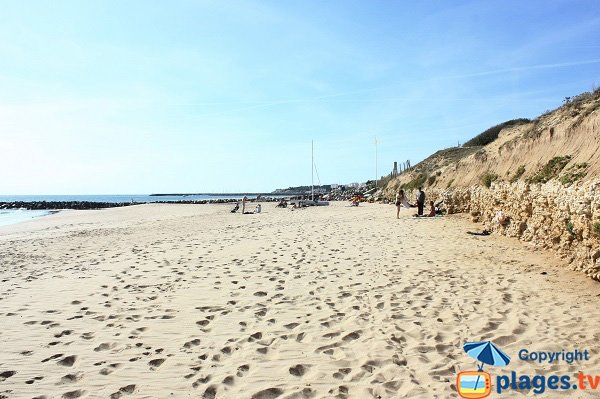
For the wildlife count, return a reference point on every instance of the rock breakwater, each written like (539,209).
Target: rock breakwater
(84,205)
(43,205)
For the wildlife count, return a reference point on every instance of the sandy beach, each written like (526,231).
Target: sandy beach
(182,301)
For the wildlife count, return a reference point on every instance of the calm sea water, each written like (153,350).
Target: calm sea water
(11,216)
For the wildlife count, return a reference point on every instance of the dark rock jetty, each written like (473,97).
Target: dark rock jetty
(63,205)
(39,205)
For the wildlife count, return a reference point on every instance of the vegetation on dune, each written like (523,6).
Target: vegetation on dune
(596,228)
(551,170)
(487,178)
(571,229)
(492,133)
(415,183)
(518,174)
(578,107)
(574,173)
(553,125)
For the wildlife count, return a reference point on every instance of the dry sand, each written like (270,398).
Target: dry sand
(181,301)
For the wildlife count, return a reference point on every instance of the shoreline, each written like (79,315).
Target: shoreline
(15,216)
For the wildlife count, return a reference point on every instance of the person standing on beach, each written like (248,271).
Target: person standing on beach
(400,202)
(244,204)
(420,201)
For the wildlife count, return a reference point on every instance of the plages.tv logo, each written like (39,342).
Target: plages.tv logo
(478,384)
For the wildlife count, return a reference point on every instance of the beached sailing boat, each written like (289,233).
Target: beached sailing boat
(313,201)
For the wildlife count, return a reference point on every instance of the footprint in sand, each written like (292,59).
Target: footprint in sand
(255,336)
(65,332)
(341,373)
(33,380)
(269,393)
(73,394)
(126,390)
(352,336)
(155,363)
(242,370)
(331,335)
(7,374)
(192,343)
(70,378)
(299,370)
(67,361)
(108,370)
(210,393)
(104,346)
(201,380)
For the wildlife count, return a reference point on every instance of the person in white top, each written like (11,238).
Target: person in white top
(401,202)
(258,209)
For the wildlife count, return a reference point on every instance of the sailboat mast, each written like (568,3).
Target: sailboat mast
(312,170)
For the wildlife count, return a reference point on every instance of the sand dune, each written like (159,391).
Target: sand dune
(170,301)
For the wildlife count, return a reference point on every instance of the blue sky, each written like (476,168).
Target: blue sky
(124,97)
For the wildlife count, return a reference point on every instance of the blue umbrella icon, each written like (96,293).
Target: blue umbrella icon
(487,353)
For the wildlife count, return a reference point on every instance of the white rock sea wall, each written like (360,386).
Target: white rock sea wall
(550,216)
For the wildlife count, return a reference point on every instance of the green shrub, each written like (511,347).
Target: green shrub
(574,173)
(492,133)
(431,180)
(518,174)
(550,170)
(596,228)
(487,178)
(449,184)
(415,183)
(571,229)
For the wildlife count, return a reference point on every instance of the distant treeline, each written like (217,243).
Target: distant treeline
(492,133)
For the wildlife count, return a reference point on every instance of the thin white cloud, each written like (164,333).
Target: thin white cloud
(328,97)
(524,68)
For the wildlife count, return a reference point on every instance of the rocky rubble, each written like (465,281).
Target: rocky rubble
(550,216)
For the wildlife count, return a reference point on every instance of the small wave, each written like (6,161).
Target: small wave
(17,216)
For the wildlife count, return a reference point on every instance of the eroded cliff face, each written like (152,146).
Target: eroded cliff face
(544,176)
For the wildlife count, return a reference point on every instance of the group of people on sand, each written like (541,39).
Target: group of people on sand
(258,208)
(402,201)
(283,203)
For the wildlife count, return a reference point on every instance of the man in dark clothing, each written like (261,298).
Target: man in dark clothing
(420,201)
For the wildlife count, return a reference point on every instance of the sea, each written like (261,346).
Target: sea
(11,216)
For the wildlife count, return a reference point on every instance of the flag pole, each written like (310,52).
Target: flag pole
(312,170)
(376,163)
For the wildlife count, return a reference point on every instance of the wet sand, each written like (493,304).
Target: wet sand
(178,301)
